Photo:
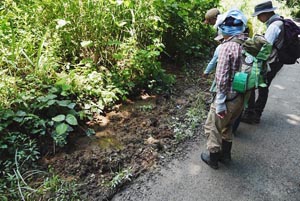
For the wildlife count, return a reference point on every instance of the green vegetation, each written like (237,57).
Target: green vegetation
(62,61)
(187,127)
(295,7)
(120,177)
(296,13)
(146,108)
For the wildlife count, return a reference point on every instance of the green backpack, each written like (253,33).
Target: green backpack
(255,53)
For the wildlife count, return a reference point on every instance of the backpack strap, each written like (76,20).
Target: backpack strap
(255,68)
(276,42)
(239,41)
(280,18)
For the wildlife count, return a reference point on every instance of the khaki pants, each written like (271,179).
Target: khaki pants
(217,129)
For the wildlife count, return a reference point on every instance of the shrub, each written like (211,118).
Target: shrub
(185,35)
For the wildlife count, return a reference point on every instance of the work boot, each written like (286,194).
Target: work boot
(211,159)
(249,117)
(226,152)
(257,117)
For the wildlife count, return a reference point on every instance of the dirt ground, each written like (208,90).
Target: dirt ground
(135,138)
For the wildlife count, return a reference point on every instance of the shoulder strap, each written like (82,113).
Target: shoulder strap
(277,19)
(241,42)
(237,40)
(276,42)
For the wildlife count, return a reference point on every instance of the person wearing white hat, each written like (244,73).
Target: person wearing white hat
(228,104)
(274,35)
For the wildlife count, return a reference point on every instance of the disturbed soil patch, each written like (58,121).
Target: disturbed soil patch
(136,136)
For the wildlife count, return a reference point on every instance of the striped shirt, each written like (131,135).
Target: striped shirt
(229,61)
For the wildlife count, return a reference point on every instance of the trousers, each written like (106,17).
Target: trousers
(217,128)
(258,105)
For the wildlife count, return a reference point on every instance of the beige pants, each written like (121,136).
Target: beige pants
(217,129)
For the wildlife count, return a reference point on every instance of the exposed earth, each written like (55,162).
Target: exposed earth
(137,137)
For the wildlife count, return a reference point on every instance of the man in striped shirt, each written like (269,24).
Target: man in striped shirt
(228,104)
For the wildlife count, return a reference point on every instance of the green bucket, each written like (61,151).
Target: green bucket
(240,82)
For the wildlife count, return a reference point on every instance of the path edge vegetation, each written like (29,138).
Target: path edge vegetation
(62,61)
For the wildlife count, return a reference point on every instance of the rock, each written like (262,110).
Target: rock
(152,140)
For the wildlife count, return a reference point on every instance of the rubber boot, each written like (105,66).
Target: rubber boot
(226,152)
(211,159)
(257,117)
(248,117)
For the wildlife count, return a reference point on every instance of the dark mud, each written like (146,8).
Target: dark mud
(135,138)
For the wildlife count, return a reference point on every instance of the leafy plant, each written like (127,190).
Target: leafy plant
(146,108)
(48,115)
(22,184)
(296,12)
(186,128)
(185,36)
(54,187)
(120,177)
(181,129)
(63,125)
(291,3)
(18,152)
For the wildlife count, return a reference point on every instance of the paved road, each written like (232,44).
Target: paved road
(266,159)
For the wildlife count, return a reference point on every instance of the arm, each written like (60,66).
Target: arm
(222,79)
(213,62)
(272,33)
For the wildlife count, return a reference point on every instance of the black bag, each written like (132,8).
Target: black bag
(290,51)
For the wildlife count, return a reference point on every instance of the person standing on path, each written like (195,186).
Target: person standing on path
(228,104)
(275,36)
(211,18)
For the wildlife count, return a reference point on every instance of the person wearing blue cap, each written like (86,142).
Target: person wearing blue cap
(275,36)
(211,18)
(213,62)
(228,104)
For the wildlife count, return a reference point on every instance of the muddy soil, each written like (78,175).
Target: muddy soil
(133,139)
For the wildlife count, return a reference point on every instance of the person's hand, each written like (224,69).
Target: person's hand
(204,75)
(222,114)
(221,108)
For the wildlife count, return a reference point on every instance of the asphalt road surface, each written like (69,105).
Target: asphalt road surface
(266,158)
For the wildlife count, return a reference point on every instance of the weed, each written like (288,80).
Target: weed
(146,108)
(121,177)
(187,127)
(19,182)
(55,188)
